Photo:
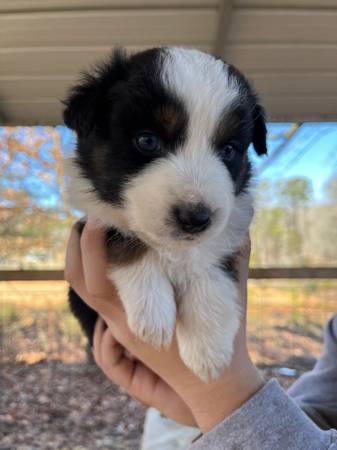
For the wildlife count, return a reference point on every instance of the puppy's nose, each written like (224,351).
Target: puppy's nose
(193,218)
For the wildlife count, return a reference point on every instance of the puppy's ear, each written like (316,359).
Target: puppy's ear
(259,138)
(87,105)
(260,130)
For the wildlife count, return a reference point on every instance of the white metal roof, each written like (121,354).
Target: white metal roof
(288,48)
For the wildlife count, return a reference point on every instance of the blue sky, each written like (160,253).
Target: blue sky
(311,153)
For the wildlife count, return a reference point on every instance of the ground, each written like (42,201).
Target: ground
(55,405)
(52,398)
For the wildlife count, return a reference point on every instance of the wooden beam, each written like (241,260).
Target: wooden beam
(224,20)
(256,273)
(290,4)
(31,275)
(294,273)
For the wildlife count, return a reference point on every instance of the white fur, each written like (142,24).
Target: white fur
(148,299)
(207,323)
(82,196)
(153,193)
(205,299)
(202,83)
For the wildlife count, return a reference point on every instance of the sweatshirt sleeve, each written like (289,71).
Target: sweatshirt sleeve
(270,420)
(316,391)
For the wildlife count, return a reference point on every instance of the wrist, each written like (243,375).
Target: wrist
(215,401)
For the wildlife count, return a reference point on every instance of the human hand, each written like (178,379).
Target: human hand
(157,378)
(85,271)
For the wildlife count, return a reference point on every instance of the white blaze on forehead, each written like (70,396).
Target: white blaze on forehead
(202,83)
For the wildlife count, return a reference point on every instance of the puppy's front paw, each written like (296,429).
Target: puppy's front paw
(206,331)
(148,299)
(204,358)
(154,325)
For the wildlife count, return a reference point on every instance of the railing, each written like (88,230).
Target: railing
(256,273)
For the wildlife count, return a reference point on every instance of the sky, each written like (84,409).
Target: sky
(310,153)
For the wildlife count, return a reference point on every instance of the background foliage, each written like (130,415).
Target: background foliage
(291,227)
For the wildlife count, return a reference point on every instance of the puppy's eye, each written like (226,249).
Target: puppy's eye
(228,151)
(147,142)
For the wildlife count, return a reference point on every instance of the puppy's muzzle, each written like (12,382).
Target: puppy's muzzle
(193,218)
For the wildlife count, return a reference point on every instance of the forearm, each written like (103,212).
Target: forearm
(211,402)
(269,420)
(316,391)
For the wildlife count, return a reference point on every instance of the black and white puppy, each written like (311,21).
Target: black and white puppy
(162,163)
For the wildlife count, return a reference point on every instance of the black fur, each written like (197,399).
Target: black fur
(106,109)
(86,316)
(255,110)
(243,124)
(229,265)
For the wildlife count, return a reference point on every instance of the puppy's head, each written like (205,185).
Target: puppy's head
(162,143)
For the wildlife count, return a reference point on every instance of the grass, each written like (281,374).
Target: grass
(286,318)
(285,321)
(36,323)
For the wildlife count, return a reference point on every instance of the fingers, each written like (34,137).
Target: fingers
(242,262)
(136,378)
(86,268)
(97,339)
(73,272)
(110,357)
(243,254)
(132,375)
(242,265)
(93,249)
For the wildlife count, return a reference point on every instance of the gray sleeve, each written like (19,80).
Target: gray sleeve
(316,391)
(269,420)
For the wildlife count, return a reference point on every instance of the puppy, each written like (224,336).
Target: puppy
(162,163)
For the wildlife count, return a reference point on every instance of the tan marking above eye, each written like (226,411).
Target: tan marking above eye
(229,124)
(168,117)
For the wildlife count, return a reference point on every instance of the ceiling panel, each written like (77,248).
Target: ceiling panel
(38,112)
(108,28)
(287,48)
(283,26)
(283,58)
(302,84)
(48,111)
(301,109)
(45,5)
(57,60)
